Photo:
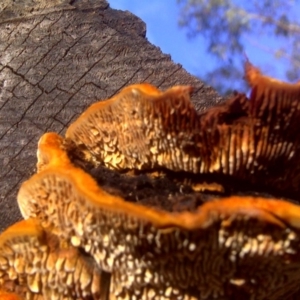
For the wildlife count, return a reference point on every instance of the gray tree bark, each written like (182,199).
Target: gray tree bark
(56,58)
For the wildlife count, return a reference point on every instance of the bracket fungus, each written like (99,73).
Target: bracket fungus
(36,264)
(254,139)
(88,233)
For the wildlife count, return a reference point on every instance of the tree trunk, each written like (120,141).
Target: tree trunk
(56,58)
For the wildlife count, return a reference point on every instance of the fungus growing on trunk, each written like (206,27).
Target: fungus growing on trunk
(155,201)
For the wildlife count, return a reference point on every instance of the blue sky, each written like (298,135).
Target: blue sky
(161,18)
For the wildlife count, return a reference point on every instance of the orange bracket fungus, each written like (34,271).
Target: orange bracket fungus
(44,266)
(144,198)
(254,139)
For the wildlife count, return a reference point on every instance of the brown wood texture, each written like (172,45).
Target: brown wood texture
(56,58)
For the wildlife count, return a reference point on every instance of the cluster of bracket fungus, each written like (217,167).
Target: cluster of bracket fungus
(254,140)
(146,199)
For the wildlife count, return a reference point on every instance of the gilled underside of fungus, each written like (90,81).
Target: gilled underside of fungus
(146,199)
(250,140)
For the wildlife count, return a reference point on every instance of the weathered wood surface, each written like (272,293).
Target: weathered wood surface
(56,58)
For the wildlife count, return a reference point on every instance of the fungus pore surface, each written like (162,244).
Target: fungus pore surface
(146,199)
(253,141)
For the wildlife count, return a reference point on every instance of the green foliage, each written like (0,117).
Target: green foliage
(231,28)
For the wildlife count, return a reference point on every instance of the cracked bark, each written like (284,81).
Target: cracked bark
(58,57)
